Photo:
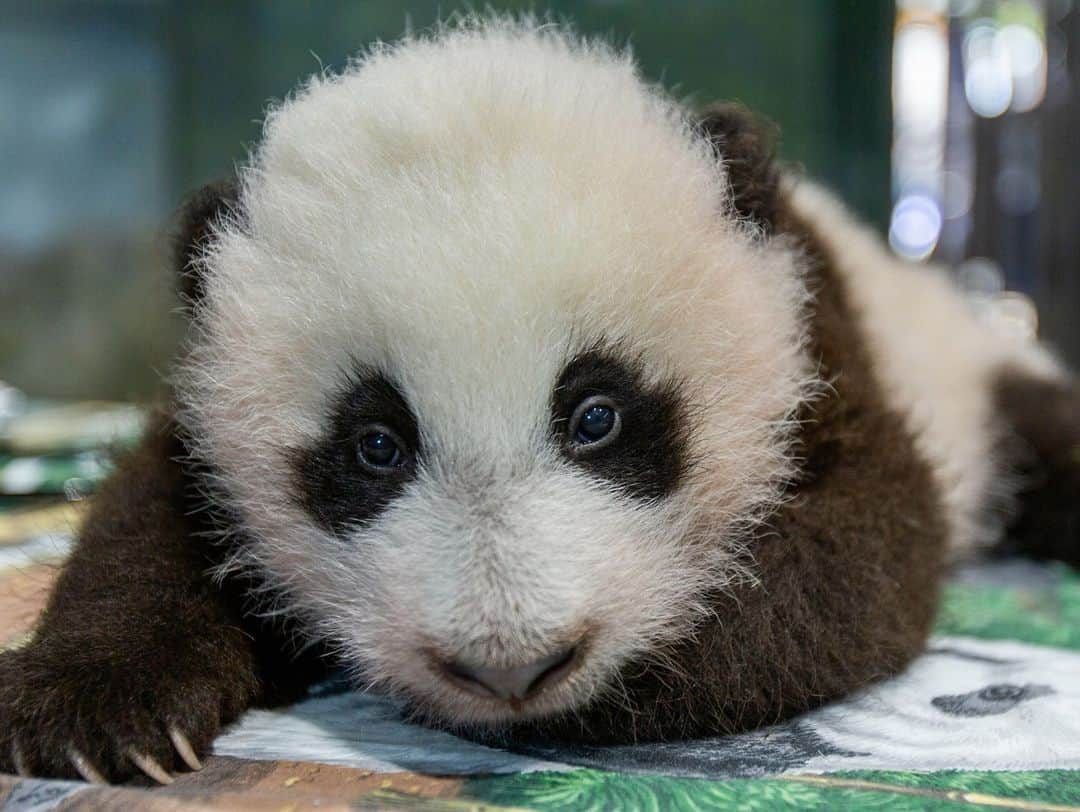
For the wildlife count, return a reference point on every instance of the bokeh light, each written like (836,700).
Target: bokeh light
(987,74)
(915,226)
(920,108)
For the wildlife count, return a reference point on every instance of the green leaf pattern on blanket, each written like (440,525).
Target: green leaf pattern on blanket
(1040,615)
(593,789)
(1058,787)
(596,790)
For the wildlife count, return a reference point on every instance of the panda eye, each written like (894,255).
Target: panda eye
(380,450)
(594,424)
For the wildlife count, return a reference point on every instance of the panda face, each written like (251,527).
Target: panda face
(605,420)
(494,405)
(505,561)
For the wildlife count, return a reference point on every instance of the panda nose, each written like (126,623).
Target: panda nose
(513,684)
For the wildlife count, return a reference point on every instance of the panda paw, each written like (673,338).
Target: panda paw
(86,768)
(102,721)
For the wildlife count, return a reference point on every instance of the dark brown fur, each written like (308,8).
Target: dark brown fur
(745,143)
(194,231)
(1044,417)
(136,637)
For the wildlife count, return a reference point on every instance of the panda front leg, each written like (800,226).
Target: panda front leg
(140,656)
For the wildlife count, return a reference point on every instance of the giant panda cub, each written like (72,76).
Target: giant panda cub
(527,396)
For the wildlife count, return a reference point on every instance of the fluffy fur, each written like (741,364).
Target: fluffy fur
(466,235)
(487,189)
(136,640)
(939,365)
(846,570)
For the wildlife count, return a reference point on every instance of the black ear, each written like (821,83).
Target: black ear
(211,204)
(746,144)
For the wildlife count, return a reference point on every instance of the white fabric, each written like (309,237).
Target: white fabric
(966,704)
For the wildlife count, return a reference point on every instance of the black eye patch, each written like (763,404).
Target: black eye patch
(337,484)
(650,455)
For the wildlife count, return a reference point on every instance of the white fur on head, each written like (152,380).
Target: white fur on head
(465,213)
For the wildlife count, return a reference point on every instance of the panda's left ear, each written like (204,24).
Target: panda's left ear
(208,206)
(746,145)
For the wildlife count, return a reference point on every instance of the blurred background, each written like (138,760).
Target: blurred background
(951,125)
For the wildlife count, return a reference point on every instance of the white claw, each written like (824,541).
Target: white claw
(184,748)
(149,766)
(20,762)
(85,768)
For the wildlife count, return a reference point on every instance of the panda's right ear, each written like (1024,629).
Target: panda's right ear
(210,205)
(745,143)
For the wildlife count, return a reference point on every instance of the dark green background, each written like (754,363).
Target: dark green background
(184,86)
(819,68)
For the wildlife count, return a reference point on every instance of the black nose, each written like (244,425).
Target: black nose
(513,684)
